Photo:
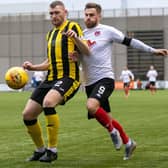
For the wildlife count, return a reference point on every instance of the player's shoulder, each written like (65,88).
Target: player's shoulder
(113,33)
(73,23)
(75,26)
(108,27)
(101,27)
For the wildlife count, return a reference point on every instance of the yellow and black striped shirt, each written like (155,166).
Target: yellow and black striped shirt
(58,48)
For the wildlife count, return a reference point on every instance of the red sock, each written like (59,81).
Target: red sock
(123,135)
(126,90)
(103,118)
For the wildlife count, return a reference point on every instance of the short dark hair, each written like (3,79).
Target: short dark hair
(94,5)
(56,3)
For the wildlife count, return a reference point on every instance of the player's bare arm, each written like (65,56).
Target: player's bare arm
(161,52)
(36,67)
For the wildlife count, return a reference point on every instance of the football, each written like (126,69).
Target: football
(16,77)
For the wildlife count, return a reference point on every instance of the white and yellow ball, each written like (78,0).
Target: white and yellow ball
(16,77)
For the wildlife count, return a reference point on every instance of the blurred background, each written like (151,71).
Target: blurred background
(24,24)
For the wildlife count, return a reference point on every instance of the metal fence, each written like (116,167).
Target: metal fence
(22,35)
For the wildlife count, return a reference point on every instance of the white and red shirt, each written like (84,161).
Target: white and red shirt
(100,39)
(126,76)
(98,65)
(152,75)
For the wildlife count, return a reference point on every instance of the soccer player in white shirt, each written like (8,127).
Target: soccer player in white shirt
(152,75)
(127,76)
(99,72)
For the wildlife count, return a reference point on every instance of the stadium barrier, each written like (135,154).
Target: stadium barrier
(134,85)
(118,86)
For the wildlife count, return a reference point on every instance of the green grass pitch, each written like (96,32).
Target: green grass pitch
(84,143)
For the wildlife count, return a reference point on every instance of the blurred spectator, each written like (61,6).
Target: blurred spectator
(127,76)
(152,75)
(37,78)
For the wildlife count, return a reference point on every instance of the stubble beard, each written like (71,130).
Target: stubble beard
(91,25)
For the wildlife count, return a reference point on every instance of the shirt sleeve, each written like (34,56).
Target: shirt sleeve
(115,35)
(135,43)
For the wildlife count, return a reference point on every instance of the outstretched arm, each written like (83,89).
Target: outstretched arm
(36,67)
(135,43)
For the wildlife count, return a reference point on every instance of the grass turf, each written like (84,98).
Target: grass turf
(84,143)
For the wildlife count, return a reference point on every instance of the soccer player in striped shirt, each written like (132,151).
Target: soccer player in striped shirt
(60,85)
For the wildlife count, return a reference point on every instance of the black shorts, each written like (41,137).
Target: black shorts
(127,84)
(152,83)
(101,90)
(66,86)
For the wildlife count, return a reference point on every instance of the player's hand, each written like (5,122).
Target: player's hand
(74,56)
(70,33)
(27,65)
(161,52)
